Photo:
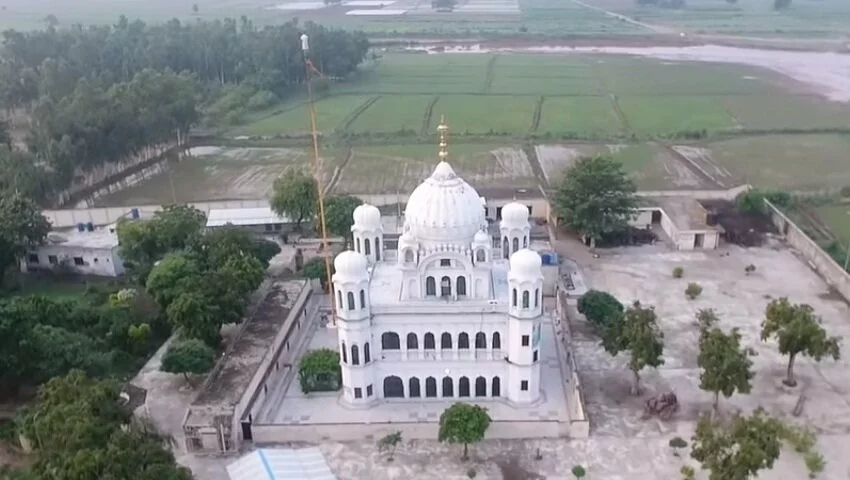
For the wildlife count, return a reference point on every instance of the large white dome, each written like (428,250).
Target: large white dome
(444,209)
(367,216)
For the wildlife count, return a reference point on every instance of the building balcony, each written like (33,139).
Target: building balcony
(443,355)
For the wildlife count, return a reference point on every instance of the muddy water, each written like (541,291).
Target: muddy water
(826,72)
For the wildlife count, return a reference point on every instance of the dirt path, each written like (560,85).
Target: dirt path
(652,28)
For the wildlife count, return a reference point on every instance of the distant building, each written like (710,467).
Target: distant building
(84,251)
(257,220)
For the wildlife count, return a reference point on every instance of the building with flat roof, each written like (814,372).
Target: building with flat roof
(256,219)
(84,251)
(683,219)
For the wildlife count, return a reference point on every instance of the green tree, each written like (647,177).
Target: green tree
(339,215)
(463,423)
(740,450)
(799,332)
(640,336)
(195,317)
(315,268)
(388,444)
(22,227)
(600,308)
(295,196)
(596,197)
(174,275)
(188,356)
(726,366)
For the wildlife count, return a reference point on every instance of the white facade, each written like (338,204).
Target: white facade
(84,253)
(439,318)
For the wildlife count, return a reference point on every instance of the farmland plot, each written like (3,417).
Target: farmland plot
(393,113)
(588,115)
(484,114)
(666,115)
(792,112)
(331,114)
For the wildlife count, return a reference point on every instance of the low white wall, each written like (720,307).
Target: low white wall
(833,273)
(342,432)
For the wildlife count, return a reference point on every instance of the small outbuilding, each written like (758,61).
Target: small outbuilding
(685,221)
(281,464)
(85,250)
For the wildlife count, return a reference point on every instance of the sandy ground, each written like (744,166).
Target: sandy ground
(826,72)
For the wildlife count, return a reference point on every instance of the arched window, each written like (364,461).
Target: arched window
(408,255)
(350,296)
(367,247)
(480,387)
(412,341)
(463,387)
(339,299)
(344,352)
(448,387)
(430,387)
(355,355)
(377,248)
(497,341)
(430,287)
(390,341)
(461,286)
(362,298)
(393,387)
(513,297)
(445,287)
(496,388)
(525,299)
(480,256)
(480,340)
(357,245)
(524,242)
(536,297)
(446,341)
(413,388)
(429,343)
(367,353)
(505,251)
(515,245)
(463,340)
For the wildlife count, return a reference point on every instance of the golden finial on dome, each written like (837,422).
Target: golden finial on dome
(443,129)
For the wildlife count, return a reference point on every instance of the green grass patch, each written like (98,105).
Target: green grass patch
(393,113)
(666,115)
(481,114)
(790,112)
(795,162)
(836,216)
(588,115)
(330,114)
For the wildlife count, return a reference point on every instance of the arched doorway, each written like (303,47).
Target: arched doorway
(393,387)
(496,389)
(480,387)
(430,387)
(413,388)
(463,387)
(448,387)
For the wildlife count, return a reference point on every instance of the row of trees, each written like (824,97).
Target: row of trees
(104,94)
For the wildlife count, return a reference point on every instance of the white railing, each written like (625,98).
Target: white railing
(442,355)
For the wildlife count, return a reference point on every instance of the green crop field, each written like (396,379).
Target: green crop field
(393,113)
(333,111)
(836,216)
(588,115)
(654,115)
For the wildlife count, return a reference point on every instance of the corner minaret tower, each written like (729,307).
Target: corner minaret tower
(525,281)
(368,233)
(351,294)
(514,229)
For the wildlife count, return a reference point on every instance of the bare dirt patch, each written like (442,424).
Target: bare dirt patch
(744,229)
(700,159)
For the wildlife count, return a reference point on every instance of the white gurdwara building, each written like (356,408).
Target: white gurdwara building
(445,316)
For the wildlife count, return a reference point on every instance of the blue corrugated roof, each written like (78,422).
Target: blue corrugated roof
(281,464)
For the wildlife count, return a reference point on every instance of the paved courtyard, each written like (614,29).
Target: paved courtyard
(622,445)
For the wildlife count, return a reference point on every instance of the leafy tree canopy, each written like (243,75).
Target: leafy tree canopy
(22,227)
(295,196)
(738,451)
(799,332)
(596,197)
(640,336)
(463,423)
(726,366)
(189,356)
(600,308)
(339,215)
(319,369)
(174,275)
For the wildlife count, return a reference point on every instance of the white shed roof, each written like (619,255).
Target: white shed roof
(218,217)
(281,464)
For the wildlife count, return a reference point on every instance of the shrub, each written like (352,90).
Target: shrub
(707,317)
(678,442)
(471,473)
(678,272)
(688,473)
(578,471)
(319,371)
(749,269)
(845,191)
(693,291)
(600,308)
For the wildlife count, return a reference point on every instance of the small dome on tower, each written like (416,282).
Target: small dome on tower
(525,262)
(367,216)
(515,214)
(482,237)
(350,263)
